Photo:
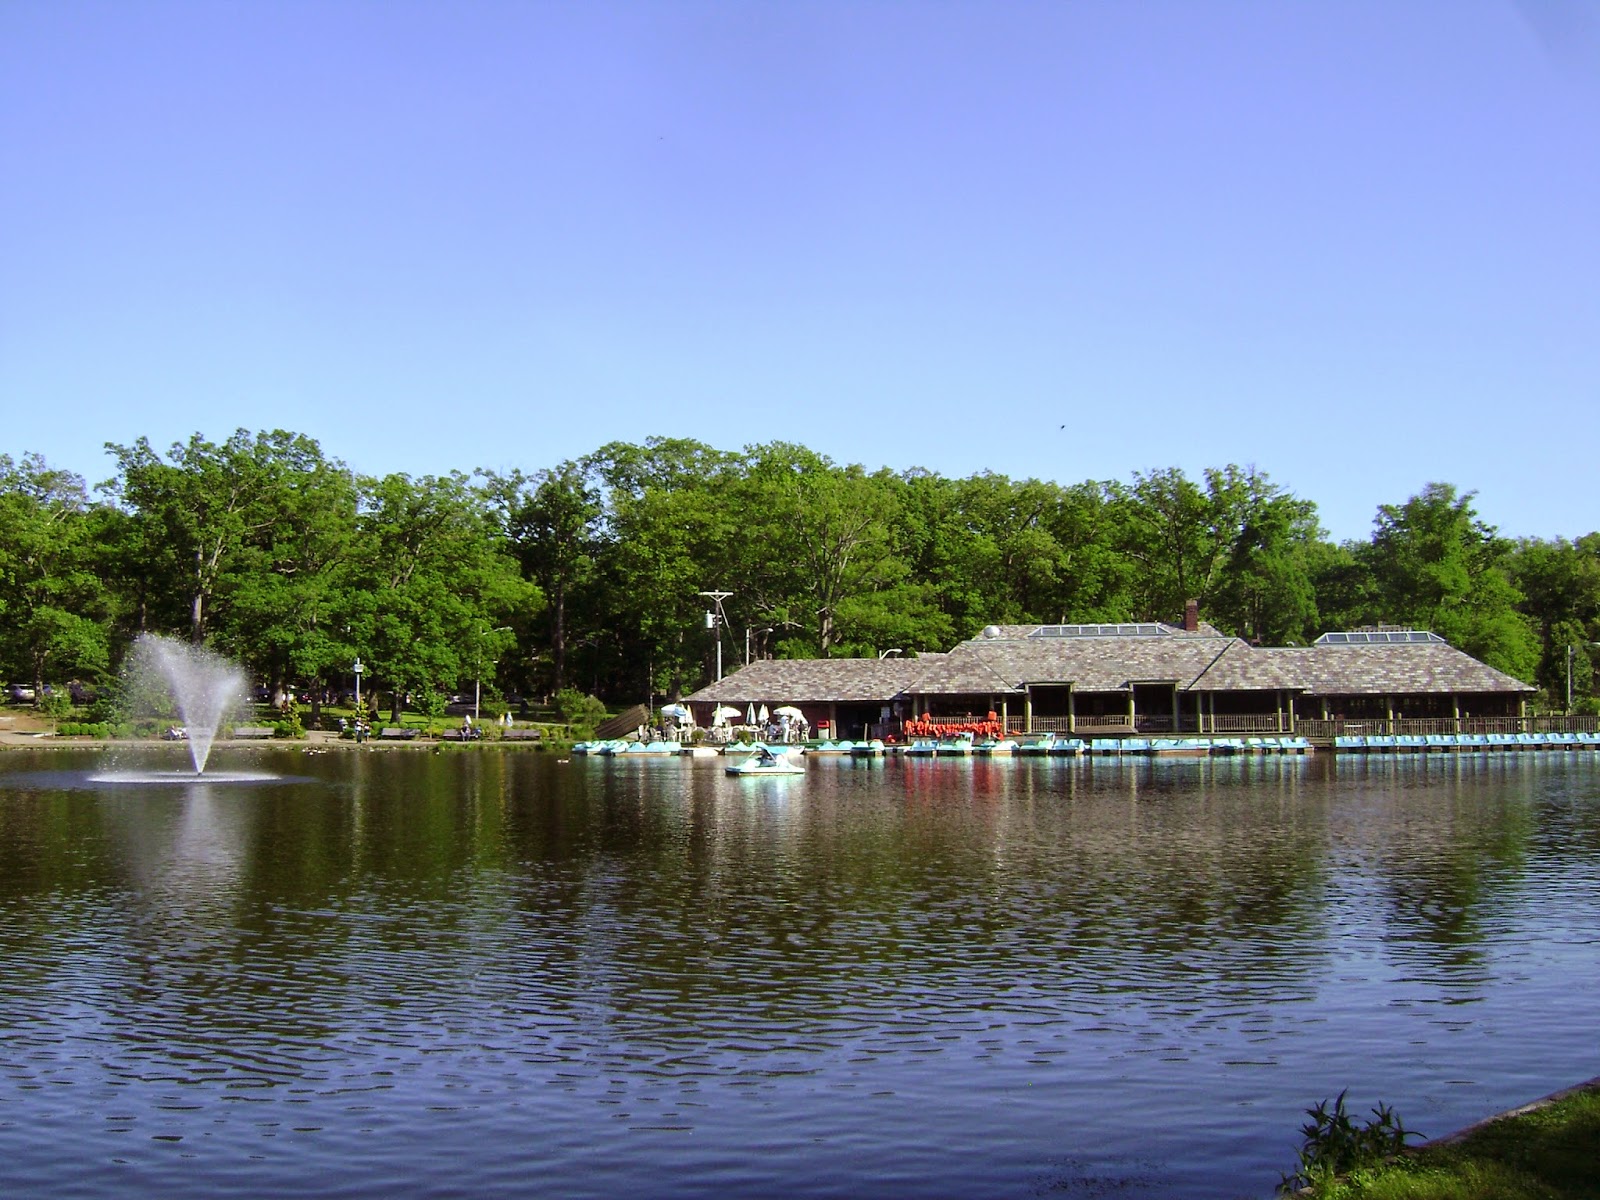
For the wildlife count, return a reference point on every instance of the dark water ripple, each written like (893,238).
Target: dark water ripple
(442,975)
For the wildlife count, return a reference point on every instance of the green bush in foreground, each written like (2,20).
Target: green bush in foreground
(1334,1145)
(1552,1153)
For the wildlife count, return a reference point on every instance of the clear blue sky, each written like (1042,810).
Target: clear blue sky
(1356,244)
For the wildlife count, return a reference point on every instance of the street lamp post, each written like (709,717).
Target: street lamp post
(716,619)
(358,669)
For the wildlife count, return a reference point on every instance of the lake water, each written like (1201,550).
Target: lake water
(398,973)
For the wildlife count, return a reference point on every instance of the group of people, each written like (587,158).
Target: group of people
(357,729)
(472,733)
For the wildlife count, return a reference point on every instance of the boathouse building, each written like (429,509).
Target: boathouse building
(1141,678)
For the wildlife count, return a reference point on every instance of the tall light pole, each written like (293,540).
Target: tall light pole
(716,620)
(358,669)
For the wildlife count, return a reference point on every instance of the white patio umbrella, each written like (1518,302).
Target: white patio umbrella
(789,710)
(750,715)
(676,711)
(724,714)
(763,714)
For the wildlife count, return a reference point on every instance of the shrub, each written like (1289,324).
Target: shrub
(581,712)
(290,726)
(55,703)
(1335,1145)
(90,729)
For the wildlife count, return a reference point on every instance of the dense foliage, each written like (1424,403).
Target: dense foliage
(587,574)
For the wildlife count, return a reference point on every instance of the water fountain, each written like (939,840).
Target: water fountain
(163,673)
(204,685)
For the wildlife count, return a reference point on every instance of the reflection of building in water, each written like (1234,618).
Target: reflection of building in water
(1143,678)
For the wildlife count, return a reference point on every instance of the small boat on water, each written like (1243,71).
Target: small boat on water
(959,746)
(764,762)
(872,749)
(996,748)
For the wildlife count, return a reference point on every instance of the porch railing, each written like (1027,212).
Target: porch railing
(1318,729)
(1242,723)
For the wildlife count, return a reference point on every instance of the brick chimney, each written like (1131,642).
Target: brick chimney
(1191,616)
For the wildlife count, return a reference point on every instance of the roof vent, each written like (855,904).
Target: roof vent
(991,631)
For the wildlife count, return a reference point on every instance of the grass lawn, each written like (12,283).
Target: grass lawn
(1550,1153)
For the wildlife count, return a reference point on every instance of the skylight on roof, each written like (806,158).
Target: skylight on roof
(1381,637)
(1079,631)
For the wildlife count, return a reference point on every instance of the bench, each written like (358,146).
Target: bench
(255,731)
(522,735)
(458,735)
(391,734)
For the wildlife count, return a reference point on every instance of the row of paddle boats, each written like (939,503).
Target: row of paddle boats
(1391,743)
(1054,745)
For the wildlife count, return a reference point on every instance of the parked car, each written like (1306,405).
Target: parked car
(21,694)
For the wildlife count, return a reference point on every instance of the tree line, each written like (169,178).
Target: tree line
(588,574)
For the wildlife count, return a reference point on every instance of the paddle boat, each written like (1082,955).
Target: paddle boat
(764,762)
(959,746)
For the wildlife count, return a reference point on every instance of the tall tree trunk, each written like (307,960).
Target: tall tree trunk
(559,640)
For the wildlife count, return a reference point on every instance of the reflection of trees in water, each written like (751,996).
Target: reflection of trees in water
(663,901)
(962,890)
(1454,852)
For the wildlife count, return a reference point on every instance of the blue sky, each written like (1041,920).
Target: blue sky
(1355,244)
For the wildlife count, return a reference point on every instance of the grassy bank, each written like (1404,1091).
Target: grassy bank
(1547,1151)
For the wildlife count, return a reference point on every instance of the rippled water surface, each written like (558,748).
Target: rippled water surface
(471,974)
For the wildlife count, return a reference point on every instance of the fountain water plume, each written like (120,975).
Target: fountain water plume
(205,687)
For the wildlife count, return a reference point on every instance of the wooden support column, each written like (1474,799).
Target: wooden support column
(1176,714)
(1027,707)
(1389,720)
(1005,721)
(1455,708)
(1291,711)
(1072,710)
(1133,717)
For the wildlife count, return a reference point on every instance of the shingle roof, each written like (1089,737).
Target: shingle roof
(815,680)
(1400,670)
(1006,662)
(1098,664)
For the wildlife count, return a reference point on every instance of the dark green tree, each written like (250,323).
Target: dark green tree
(436,583)
(1437,566)
(53,606)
